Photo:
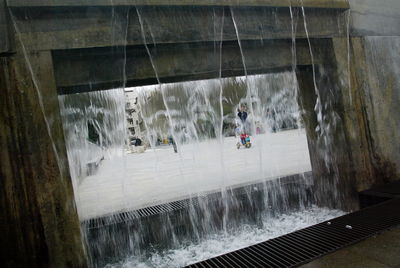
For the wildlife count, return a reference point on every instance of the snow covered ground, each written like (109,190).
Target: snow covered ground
(156,176)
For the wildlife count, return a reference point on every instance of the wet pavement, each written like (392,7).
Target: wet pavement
(159,176)
(379,251)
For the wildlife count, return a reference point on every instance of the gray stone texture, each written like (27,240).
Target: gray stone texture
(375,18)
(4,29)
(382,101)
(38,218)
(375,46)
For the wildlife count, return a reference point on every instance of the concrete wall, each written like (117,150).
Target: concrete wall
(38,219)
(375,18)
(89,27)
(383,99)
(375,48)
(378,70)
(4,27)
(77,72)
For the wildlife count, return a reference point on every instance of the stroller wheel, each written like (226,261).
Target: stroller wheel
(238,145)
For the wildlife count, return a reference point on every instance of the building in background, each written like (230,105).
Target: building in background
(136,138)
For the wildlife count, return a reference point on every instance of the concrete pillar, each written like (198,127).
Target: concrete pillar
(375,86)
(38,218)
(331,156)
(357,94)
(354,114)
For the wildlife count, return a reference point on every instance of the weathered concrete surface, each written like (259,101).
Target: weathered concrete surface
(38,219)
(372,97)
(380,251)
(331,160)
(375,18)
(98,69)
(273,3)
(87,27)
(376,78)
(4,29)
(354,117)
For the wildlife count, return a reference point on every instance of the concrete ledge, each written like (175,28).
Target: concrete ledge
(343,4)
(62,28)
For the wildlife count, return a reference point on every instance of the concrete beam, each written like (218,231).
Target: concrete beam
(79,71)
(85,27)
(269,3)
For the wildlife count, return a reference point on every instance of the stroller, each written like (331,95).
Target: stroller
(244,141)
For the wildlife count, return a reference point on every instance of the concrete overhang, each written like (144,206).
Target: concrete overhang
(98,69)
(338,4)
(58,28)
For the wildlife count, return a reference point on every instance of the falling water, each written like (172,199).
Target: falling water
(94,129)
(318,105)
(348,17)
(293,17)
(195,109)
(173,133)
(221,143)
(325,126)
(249,89)
(221,243)
(250,94)
(232,192)
(39,95)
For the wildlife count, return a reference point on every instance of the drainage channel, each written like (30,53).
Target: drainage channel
(301,182)
(114,237)
(305,245)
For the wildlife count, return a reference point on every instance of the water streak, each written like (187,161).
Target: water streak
(39,95)
(348,16)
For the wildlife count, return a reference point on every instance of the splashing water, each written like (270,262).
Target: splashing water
(221,243)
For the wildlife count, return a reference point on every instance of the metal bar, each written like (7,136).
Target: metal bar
(243,260)
(276,254)
(260,261)
(300,253)
(261,254)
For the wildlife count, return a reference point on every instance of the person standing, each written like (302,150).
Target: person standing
(242,114)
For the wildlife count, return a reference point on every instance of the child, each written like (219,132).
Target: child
(243,138)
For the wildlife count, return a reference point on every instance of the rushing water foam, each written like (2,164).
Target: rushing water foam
(221,243)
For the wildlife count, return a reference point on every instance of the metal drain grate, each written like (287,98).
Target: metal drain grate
(143,212)
(302,246)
